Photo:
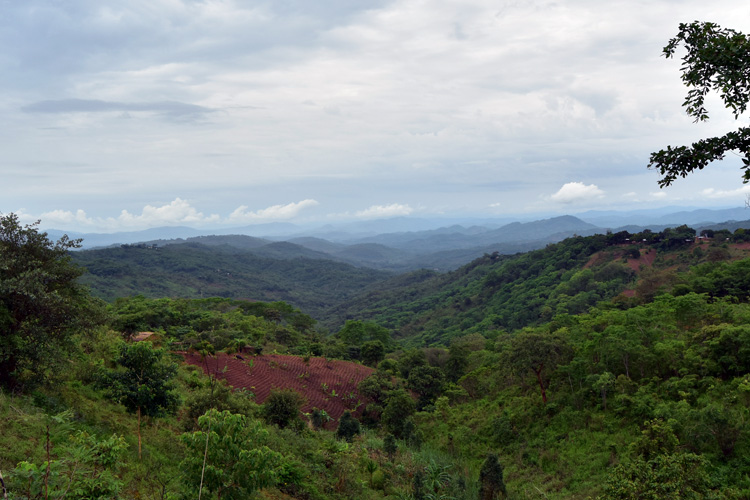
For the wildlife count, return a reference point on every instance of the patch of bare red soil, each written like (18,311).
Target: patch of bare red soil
(648,255)
(329,385)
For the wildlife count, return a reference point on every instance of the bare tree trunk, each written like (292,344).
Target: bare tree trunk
(139,433)
(2,485)
(541,383)
(46,472)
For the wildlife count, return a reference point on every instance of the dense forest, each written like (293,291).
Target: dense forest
(195,270)
(610,366)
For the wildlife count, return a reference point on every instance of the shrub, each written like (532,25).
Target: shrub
(282,407)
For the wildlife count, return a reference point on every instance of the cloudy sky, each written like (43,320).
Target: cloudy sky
(123,115)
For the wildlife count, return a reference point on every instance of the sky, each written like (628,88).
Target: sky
(125,115)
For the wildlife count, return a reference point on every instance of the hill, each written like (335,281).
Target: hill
(504,293)
(194,270)
(638,396)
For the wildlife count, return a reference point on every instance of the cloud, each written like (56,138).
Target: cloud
(177,212)
(392,210)
(171,109)
(58,218)
(275,212)
(742,192)
(574,192)
(430,102)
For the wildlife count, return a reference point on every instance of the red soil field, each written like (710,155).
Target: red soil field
(329,385)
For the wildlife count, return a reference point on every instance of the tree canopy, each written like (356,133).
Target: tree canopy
(41,303)
(717,59)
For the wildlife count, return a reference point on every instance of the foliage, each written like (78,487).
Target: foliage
(227,457)
(196,271)
(372,352)
(41,303)
(85,467)
(226,324)
(659,471)
(490,294)
(359,332)
(539,353)
(717,59)
(217,396)
(675,357)
(427,382)
(491,479)
(348,427)
(399,407)
(390,446)
(282,408)
(144,383)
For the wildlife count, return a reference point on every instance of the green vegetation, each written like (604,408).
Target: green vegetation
(717,59)
(144,383)
(514,377)
(198,271)
(42,306)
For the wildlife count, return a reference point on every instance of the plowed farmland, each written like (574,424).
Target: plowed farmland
(329,385)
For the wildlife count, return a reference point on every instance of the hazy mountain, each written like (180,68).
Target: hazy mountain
(666,217)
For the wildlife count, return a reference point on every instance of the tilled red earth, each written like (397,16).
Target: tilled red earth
(329,385)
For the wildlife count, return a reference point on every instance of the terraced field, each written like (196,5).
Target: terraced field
(329,385)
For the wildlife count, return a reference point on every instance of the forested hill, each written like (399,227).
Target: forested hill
(496,292)
(196,271)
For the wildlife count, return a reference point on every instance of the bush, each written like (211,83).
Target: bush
(378,480)
(282,408)
(348,427)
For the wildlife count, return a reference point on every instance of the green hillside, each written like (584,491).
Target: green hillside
(503,293)
(194,271)
(644,396)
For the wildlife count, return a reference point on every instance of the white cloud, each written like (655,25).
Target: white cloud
(658,195)
(177,212)
(732,193)
(391,210)
(275,212)
(56,218)
(574,192)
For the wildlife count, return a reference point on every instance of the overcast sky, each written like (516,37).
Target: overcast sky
(121,115)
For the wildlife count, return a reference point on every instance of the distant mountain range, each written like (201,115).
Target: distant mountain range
(403,244)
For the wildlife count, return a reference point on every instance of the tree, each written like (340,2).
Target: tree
(717,59)
(228,457)
(83,466)
(348,426)
(390,446)
(357,332)
(144,384)
(282,407)
(372,352)
(658,470)
(399,407)
(417,486)
(41,304)
(540,353)
(427,381)
(491,483)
